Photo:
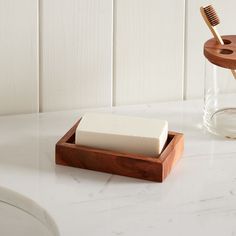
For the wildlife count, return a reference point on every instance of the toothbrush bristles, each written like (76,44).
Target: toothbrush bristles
(211,15)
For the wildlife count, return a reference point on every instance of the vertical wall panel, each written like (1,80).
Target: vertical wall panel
(149,43)
(197,34)
(18,56)
(76,54)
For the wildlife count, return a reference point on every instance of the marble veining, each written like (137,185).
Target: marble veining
(197,198)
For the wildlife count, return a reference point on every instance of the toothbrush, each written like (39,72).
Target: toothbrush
(212,20)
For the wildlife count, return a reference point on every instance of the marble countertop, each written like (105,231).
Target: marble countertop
(197,198)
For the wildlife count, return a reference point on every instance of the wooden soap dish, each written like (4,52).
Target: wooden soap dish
(126,164)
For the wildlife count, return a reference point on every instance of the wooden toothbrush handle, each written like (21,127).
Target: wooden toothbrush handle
(234,73)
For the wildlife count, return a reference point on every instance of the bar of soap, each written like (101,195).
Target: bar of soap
(145,136)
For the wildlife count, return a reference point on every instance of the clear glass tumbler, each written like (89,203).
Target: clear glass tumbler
(219,101)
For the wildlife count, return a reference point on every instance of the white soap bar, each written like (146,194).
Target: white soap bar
(125,134)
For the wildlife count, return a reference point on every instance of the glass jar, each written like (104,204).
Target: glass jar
(219,100)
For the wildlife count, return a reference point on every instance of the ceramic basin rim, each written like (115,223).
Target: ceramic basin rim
(20,201)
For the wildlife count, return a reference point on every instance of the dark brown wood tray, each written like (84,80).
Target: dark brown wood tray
(126,164)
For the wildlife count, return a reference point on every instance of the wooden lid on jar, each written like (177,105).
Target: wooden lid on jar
(222,55)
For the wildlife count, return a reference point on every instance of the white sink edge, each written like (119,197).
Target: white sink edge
(29,206)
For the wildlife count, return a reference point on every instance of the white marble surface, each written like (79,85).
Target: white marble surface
(197,198)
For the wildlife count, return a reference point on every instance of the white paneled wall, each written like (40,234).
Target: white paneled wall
(68,54)
(197,33)
(76,54)
(18,56)
(149,50)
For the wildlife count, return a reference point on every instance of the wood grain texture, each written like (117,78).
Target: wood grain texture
(222,55)
(76,54)
(18,56)
(196,35)
(126,164)
(148,56)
